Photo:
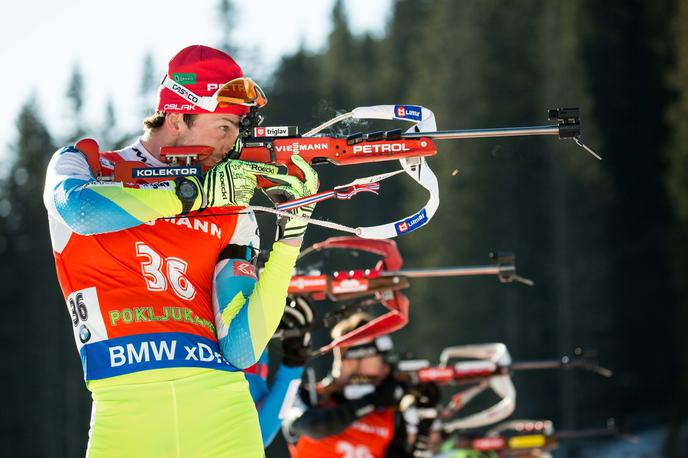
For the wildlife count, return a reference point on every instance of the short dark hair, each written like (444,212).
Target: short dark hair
(157,119)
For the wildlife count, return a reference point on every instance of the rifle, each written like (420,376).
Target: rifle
(490,366)
(276,145)
(524,437)
(381,284)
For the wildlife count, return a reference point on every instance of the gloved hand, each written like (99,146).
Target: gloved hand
(230,183)
(298,315)
(289,188)
(233,182)
(428,395)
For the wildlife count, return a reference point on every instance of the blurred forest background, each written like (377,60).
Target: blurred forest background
(606,242)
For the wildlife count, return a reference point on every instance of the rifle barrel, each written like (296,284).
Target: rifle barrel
(562,363)
(538,365)
(446,272)
(586,433)
(486,133)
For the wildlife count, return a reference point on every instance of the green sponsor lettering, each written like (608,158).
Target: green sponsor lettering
(147,314)
(209,325)
(127,316)
(165,316)
(184,78)
(139,311)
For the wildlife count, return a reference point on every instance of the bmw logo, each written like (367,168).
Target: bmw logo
(84,334)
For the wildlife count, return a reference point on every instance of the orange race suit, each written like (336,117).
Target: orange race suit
(344,428)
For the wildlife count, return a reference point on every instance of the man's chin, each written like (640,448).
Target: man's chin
(209,163)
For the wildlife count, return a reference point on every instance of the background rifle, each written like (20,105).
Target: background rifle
(524,437)
(364,288)
(490,367)
(463,372)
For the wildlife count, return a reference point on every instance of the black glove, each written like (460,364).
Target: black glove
(428,395)
(297,315)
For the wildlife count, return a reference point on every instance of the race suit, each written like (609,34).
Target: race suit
(165,314)
(337,428)
(272,401)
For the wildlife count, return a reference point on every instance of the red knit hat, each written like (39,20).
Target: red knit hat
(194,74)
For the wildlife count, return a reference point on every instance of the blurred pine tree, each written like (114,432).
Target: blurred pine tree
(47,398)
(677,185)
(627,54)
(75,98)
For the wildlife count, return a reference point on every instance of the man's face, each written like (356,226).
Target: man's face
(371,369)
(218,131)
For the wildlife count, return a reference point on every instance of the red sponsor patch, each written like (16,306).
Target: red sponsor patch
(488,443)
(307,283)
(349,285)
(436,374)
(244,269)
(468,369)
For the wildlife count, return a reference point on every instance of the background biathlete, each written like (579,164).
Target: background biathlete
(273,401)
(355,411)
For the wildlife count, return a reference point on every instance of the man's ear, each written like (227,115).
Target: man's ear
(173,122)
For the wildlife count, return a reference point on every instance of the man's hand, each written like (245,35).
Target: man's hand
(289,188)
(233,182)
(297,315)
(230,183)
(428,395)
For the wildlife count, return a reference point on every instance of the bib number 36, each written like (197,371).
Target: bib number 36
(84,312)
(77,308)
(161,273)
